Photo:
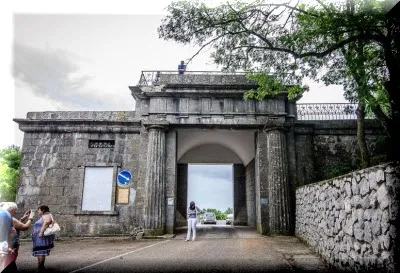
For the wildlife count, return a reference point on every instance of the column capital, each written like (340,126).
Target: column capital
(276,124)
(162,125)
(275,128)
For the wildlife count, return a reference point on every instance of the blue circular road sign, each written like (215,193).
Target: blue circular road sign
(124,178)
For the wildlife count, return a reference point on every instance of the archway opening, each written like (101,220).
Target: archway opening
(210,186)
(208,152)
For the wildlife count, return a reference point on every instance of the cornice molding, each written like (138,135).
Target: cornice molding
(78,126)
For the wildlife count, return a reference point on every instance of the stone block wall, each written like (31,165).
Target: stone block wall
(350,220)
(325,149)
(339,151)
(53,168)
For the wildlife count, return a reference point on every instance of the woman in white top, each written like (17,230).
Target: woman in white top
(192,220)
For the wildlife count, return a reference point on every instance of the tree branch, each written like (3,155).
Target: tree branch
(210,42)
(290,7)
(313,53)
(323,5)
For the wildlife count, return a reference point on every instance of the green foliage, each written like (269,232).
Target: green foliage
(218,214)
(10,159)
(11,156)
(229,211)
(269,85)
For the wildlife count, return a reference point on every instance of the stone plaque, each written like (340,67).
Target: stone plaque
(101,143)
(122,195)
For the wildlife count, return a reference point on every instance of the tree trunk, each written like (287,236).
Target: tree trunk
(382,117)
(362,143)
(392,59)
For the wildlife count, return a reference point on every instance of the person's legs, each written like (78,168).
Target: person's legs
(10,263)
(41,260)
(194,223)
(189,229)
(11,268)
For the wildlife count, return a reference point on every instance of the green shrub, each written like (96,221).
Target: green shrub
(339,169)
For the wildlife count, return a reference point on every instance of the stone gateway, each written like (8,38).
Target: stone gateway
(71,160)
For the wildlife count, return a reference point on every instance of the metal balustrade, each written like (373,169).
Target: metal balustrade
(326,111)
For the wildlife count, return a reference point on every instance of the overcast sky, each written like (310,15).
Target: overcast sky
(210,186)
(83,55)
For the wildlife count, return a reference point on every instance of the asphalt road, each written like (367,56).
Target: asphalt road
(218,248)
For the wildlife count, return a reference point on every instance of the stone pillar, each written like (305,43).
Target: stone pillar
(261,183)
(170,176)
(239,195)
(291,157)
(279,221)
(154,202)
(251,194)
(181,196)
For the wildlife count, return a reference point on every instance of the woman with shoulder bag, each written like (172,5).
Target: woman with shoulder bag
(42,244)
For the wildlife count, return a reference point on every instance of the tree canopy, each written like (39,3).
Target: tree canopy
(348,42)
(10,159)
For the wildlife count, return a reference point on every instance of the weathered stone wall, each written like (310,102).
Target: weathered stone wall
(324,148)
(53,167)
(350,220)
(239,195)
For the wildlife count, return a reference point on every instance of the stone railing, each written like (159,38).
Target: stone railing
(350,220)
(149,78)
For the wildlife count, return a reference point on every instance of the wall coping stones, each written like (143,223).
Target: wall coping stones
(82,115)
(353,174)
(335,127)
(80,121)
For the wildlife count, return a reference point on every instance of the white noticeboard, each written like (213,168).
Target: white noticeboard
(97,189)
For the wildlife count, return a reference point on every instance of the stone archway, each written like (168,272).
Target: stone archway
(193,108)
(223,147)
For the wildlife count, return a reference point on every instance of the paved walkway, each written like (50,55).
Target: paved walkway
(217,249)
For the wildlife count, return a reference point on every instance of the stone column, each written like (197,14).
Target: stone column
(170,180)
(181,195)
(261,183)
(154,197)
(279,218)
(239,195)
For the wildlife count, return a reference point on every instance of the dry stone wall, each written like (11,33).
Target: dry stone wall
(350,220)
